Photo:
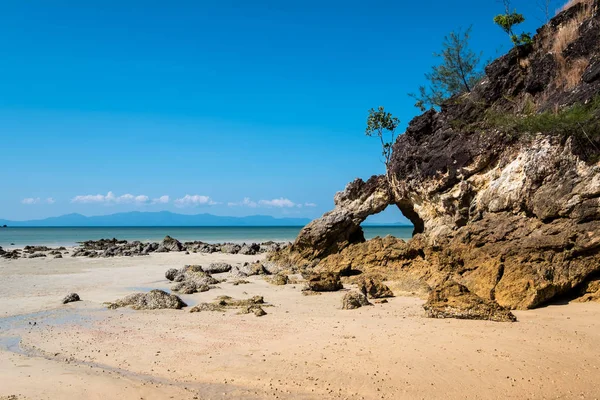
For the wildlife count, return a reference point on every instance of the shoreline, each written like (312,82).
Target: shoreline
(68,236)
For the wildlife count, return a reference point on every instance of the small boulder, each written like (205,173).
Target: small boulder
(170,244)
(453,300)
(324,282)
(249,250)
(253,309)
(207,307)
(218,267)
(171,274)
(70,298)
(353,300)
(153,300)
(279,279)
(230,248)
(374,289)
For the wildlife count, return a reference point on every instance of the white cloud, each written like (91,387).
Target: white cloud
(246,203)
(30,200)
(110,198)
(280,203)
(37,200)
(161,200)
(194,200)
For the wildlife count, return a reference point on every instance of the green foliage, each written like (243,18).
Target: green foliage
(581,120)
(458,72)
(380,123)
(508,21)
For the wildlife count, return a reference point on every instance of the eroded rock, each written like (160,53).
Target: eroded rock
(279,279)
(453,300)
(70,298)
(153,300)
(506,203)
(353,300)
(374,289)
(324,282)
(218,267)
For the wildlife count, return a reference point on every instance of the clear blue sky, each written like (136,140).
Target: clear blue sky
(218,100)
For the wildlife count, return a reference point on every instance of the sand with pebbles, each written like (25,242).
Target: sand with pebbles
(304,348)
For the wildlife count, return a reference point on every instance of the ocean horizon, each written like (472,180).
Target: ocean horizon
(70,236)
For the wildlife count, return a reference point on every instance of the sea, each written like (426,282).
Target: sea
(70,236)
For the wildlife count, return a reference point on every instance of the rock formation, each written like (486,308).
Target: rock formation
(503,203)
(353,300)
(452,300)
(153,300)
(70,298)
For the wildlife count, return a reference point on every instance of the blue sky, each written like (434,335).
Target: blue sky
(245,107)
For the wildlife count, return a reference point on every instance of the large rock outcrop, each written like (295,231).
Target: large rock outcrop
(512,215)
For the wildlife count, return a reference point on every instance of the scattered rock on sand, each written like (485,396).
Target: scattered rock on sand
(279,279)
(222,303)
(188,287)
(253,309)
(230,248)
(207,307)
(170,244)
(153,300)
(227,301)
(324,282)
(171,274)
(70,298)
(218,267)
(374,289)
(256,268)
(249,250)
(453,300)
(36,255)
(353,300)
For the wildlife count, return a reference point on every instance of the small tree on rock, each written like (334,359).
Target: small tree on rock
(380,124)
(457,74)
(508,21)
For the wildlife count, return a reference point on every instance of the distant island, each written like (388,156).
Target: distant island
(162,218)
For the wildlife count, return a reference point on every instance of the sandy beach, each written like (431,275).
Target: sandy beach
(305,347)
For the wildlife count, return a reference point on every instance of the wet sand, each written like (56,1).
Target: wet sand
(304,348)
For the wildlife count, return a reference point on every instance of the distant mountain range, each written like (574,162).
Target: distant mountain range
(163,218)
(166,218)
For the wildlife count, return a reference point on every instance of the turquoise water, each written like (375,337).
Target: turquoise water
(64,236)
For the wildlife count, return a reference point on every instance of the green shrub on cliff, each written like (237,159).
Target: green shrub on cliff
(508,21)
(457,74)
(380,123)
(579,120)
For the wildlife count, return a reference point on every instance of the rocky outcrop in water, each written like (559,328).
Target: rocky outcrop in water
(503,203)
(119,248)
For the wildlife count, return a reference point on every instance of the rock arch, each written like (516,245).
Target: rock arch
(340,227)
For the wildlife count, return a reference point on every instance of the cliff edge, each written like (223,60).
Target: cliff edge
(502,185)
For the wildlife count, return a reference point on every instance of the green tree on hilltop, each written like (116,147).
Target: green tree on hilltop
(458,73)
(380,124)
(508,21)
